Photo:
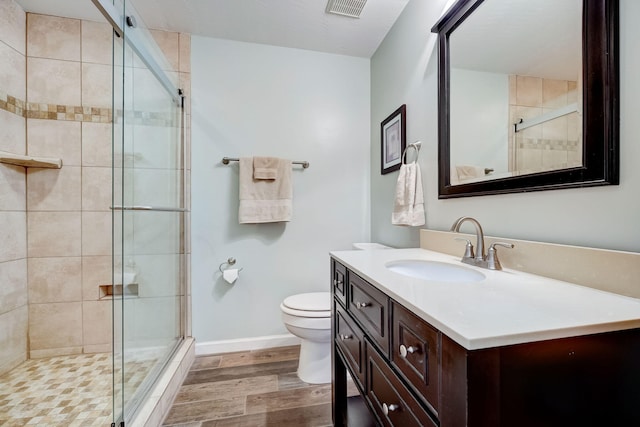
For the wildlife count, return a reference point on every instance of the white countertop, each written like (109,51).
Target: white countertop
(507,307)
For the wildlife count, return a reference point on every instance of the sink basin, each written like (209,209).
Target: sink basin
(434,270)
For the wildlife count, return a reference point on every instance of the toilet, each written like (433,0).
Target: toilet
(308,316)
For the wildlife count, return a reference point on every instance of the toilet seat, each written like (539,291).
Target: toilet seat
(313,304)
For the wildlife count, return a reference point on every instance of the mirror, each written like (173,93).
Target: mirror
(528,96)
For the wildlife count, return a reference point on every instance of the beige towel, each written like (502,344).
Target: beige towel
(265,200)
(465,172)
(265,167)
(408,206)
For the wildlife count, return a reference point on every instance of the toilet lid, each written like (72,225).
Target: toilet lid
(313,301)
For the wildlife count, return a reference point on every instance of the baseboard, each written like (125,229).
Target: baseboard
(245,344)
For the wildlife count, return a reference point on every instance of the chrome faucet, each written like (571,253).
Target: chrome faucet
(490,260)
(479,236)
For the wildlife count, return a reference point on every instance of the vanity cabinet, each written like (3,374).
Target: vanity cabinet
(350,339)
(361,343)
(412,374)
(370,308)
(339,281)
(416,354)
(392,401)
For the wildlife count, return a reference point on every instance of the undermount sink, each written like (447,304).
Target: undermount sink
(434,270)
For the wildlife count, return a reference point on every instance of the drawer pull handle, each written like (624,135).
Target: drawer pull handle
(404,350)
(345,337)
(389,408)
(337,282)
(361,305)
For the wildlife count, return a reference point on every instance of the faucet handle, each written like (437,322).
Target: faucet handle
(492,257)
(503,244)
(468,251)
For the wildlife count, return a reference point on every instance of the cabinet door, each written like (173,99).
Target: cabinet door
(350,340)
(415,352)
(392,402)
(370,307)
(339,281)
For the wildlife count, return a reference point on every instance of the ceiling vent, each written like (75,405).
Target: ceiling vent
(350,8)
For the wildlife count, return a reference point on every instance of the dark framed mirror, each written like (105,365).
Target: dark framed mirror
(528,96)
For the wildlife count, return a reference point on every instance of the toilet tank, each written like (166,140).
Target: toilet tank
(369,246)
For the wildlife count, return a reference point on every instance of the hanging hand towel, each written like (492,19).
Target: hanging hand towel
(265,167)
(408,206)
(265,200)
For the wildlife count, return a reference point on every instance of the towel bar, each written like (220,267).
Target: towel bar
(147,208)
(226,160)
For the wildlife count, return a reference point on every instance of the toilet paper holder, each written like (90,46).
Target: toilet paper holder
(230,262)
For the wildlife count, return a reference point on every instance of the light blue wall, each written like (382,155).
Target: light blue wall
(262,100)
(251,99)
(404,70)
(480,140)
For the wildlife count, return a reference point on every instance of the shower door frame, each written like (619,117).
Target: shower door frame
(132,39)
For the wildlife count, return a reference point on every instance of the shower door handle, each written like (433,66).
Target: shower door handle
(147,208)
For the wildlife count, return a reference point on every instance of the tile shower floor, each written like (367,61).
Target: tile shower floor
(63,391)
(58,391)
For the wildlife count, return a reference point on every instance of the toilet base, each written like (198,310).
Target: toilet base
(314,366)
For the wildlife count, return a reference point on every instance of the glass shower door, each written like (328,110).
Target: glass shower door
(148,219)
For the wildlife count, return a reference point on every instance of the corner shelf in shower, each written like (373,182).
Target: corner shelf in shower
(30,161)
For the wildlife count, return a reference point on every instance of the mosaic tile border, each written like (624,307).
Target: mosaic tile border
(68,113)
(34,110)
(148,118)
(12,104)
(547,144)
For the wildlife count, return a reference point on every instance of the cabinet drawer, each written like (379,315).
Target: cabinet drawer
(370,307)
(390,399)
(339,281)
(350,340)
(415,352)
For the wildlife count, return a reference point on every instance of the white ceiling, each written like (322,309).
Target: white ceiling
(299,24)
(510,36)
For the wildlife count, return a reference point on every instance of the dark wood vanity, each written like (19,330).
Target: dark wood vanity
(409,373)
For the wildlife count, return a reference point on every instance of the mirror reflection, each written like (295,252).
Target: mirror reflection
(516,90)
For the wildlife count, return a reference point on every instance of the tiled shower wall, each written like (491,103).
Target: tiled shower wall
(13,196)
(68,217)
(555,144)
(56,84)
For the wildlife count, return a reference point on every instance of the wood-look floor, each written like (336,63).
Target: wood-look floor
(252,389)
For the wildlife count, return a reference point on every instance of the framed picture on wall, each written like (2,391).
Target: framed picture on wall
(393,140)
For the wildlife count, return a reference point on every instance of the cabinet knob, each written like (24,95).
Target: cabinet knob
(337,282)
(361,305)
(389,408)
(345,337)
(404,350)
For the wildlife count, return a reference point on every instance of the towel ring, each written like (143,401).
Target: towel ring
(416,146)
(231,261)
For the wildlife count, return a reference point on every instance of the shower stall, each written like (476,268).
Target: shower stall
(114,346)
(149,207)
